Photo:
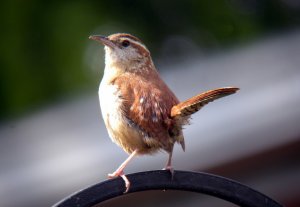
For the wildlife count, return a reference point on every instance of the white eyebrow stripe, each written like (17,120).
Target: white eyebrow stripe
(135,42)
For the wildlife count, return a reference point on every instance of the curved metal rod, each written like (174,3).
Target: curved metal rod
(209,184)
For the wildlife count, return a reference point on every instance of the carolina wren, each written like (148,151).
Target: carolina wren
(142,115)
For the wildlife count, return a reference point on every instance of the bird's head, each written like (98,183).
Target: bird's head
(124,50)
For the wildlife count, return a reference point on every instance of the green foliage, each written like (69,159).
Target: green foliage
(43,42)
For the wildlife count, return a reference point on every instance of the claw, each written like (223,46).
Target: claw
(123,176)
(171,169)
(127,183)
(119,172)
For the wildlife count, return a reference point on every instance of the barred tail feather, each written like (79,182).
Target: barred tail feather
(194,104)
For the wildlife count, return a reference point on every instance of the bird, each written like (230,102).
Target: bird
(141,113)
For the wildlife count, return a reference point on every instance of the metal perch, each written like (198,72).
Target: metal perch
(205,183)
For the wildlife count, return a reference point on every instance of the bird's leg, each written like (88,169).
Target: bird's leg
(120,169)
(120,172)
(169,163)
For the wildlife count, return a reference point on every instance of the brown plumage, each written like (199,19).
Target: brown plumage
(141,113)
(148,110)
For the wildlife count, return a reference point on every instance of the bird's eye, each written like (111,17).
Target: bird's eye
(125,43)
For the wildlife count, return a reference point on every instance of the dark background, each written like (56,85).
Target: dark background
(43,43)
(53,141)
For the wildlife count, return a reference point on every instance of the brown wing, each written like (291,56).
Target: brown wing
(194,104)
(147,107)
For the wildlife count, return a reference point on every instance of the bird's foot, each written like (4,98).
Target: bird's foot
(171,169)
(116,174)
(123,176)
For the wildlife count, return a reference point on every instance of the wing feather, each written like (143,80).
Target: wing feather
(147,108)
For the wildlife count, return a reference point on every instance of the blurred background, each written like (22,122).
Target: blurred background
(52,138)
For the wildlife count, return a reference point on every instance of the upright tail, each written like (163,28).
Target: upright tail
(194,104)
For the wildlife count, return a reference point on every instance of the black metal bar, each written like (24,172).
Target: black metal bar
(216,186)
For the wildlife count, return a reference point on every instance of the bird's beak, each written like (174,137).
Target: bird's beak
(102,39)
